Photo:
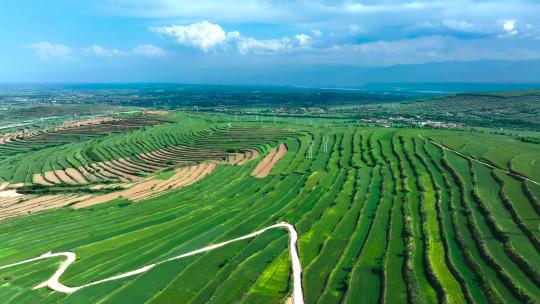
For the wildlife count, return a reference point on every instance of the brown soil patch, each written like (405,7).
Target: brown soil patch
(180,174)
(248,156)
(235,158)
(8,137)
(7,202)
(264,162)
(51,177)
(155,113)
(38,179)
(106,173)
(64,177)
(30,205)
(153,187)
(87,175)
(269,161)
(132,166)
(125,173)
(76,176)
(125,170)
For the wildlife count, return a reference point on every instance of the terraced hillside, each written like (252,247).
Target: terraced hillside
(133,166)
(382,215)
(21,142)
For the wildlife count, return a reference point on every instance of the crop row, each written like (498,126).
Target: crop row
(382,216)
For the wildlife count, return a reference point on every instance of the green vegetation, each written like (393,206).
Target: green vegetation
(517,110)
(384,215)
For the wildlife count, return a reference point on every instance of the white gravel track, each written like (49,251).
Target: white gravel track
(54,283)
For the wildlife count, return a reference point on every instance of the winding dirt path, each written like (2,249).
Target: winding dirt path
(519,176)
(54,283)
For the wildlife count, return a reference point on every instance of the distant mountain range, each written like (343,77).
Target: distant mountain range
(505,73)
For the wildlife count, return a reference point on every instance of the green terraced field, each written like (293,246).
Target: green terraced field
(383,216)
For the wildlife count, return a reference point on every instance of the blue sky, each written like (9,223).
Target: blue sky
(166,40)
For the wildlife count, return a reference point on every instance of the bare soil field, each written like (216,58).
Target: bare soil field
(152,187)
(269,161)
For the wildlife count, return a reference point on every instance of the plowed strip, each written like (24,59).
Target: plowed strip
(154,190)
(125,173)
(108,175)
(269,163)
(264,162)
(38,179)
(76,176)
(64,177)
(151,188)
(131,165)
(51,177)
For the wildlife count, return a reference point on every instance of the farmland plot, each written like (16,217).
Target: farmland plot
(382,215)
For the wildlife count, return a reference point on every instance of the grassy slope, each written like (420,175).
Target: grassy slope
(349,208)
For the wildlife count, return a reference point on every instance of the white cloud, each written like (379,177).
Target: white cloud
(509,25)
(203,35)
(47,51)
(98,50)
(304,40)
(208,36)
(343,22)
(149,50)
(261,47)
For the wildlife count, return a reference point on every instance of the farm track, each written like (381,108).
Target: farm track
(54,283)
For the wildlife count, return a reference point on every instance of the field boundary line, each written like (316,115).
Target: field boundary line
(519,176)
(54,284)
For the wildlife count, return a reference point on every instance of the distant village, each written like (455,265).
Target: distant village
(412,122)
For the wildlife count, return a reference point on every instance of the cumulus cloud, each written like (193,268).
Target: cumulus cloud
(149,50)
(336,15)
(203,35)
(208,36)
(480,24)
(47,51)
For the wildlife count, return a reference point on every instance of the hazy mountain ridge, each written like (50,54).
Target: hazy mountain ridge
(355,76)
